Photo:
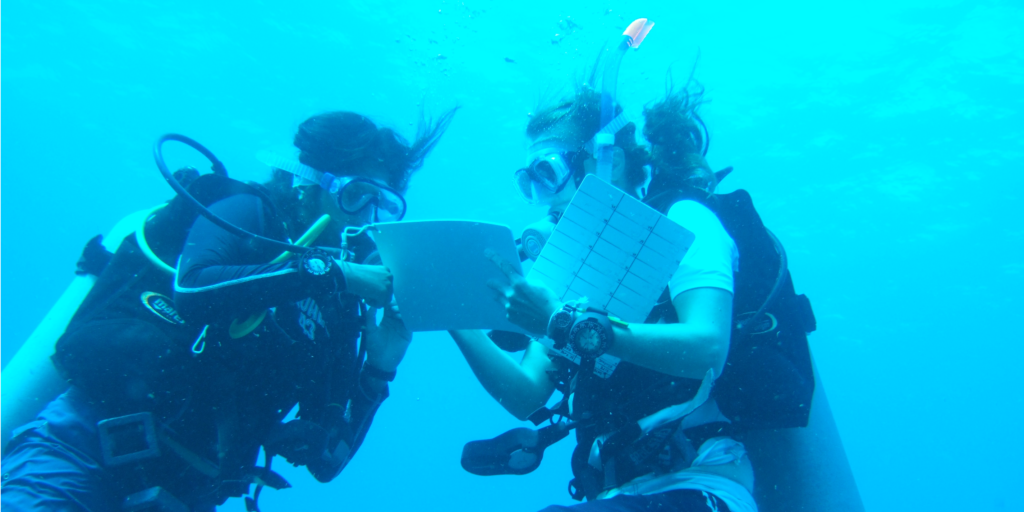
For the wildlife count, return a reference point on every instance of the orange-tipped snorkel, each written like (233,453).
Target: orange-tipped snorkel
(604,139)
(637,31)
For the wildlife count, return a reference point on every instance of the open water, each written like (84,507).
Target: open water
(882,141)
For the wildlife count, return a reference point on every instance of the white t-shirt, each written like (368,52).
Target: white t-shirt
(712,258)
(709,263)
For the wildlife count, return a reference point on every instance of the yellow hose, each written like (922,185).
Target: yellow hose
(239,328)
(308,237)
(140,237)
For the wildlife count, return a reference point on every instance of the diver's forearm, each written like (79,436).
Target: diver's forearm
(681,350)
(513,385)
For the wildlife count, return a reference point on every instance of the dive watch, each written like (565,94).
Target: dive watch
(319,267)
(317,263)
(591,335)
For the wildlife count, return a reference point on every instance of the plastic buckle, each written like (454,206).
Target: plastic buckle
(154,499)
(128,438)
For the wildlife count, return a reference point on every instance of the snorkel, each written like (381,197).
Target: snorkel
(601,145)
(604,139)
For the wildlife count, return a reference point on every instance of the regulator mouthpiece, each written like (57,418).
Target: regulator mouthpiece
(535,236)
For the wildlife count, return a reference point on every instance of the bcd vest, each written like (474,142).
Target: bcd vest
(128,349)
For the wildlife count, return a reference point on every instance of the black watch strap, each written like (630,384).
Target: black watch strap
(376,373)
(320,270)
(559,325)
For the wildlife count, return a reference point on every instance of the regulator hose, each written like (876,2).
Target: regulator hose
(219,169)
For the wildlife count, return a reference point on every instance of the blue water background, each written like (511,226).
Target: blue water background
(881,140)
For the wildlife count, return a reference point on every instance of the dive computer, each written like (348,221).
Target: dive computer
(591,335)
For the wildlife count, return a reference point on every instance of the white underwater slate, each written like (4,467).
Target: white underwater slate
(614,250)
(441,273)
(608,247)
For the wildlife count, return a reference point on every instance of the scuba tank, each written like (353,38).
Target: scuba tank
(30,381)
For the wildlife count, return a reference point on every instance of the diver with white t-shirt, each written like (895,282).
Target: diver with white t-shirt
(654,405)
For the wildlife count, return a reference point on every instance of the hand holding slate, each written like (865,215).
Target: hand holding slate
(527,304)
(387,342)
(371,282)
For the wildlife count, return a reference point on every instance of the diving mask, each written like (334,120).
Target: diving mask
(353,193)
(548,172)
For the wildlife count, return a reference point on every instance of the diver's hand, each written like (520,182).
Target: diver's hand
(387,342)
(528,305)
(371,282)
(298,441)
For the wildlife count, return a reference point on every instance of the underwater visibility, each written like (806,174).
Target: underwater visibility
(477,255)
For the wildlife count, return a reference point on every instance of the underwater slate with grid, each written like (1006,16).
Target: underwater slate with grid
(612,249)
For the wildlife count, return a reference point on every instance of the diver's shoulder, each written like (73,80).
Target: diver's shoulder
(692,212)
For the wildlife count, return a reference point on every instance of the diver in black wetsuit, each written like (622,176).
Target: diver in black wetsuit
(177,419)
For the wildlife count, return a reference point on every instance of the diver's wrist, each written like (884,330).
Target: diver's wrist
(382,364)
(374,382)
(321,273)
(559,324)
(372,370)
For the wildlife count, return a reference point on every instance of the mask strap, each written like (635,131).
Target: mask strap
(305,175)
(606,135)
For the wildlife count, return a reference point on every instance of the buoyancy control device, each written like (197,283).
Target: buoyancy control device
(768,381)
(127,343)
(129,350)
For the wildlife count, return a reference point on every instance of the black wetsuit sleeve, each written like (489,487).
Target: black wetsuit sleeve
(348,424)
(222,276)
(364,406)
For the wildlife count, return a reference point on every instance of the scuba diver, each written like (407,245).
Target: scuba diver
(656,406)
(179,376)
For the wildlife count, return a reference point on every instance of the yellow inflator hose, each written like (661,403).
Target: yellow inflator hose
(239,328)
(140,237)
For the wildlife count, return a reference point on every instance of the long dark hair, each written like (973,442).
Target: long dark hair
(341,142)
(336,142)
(678,139)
